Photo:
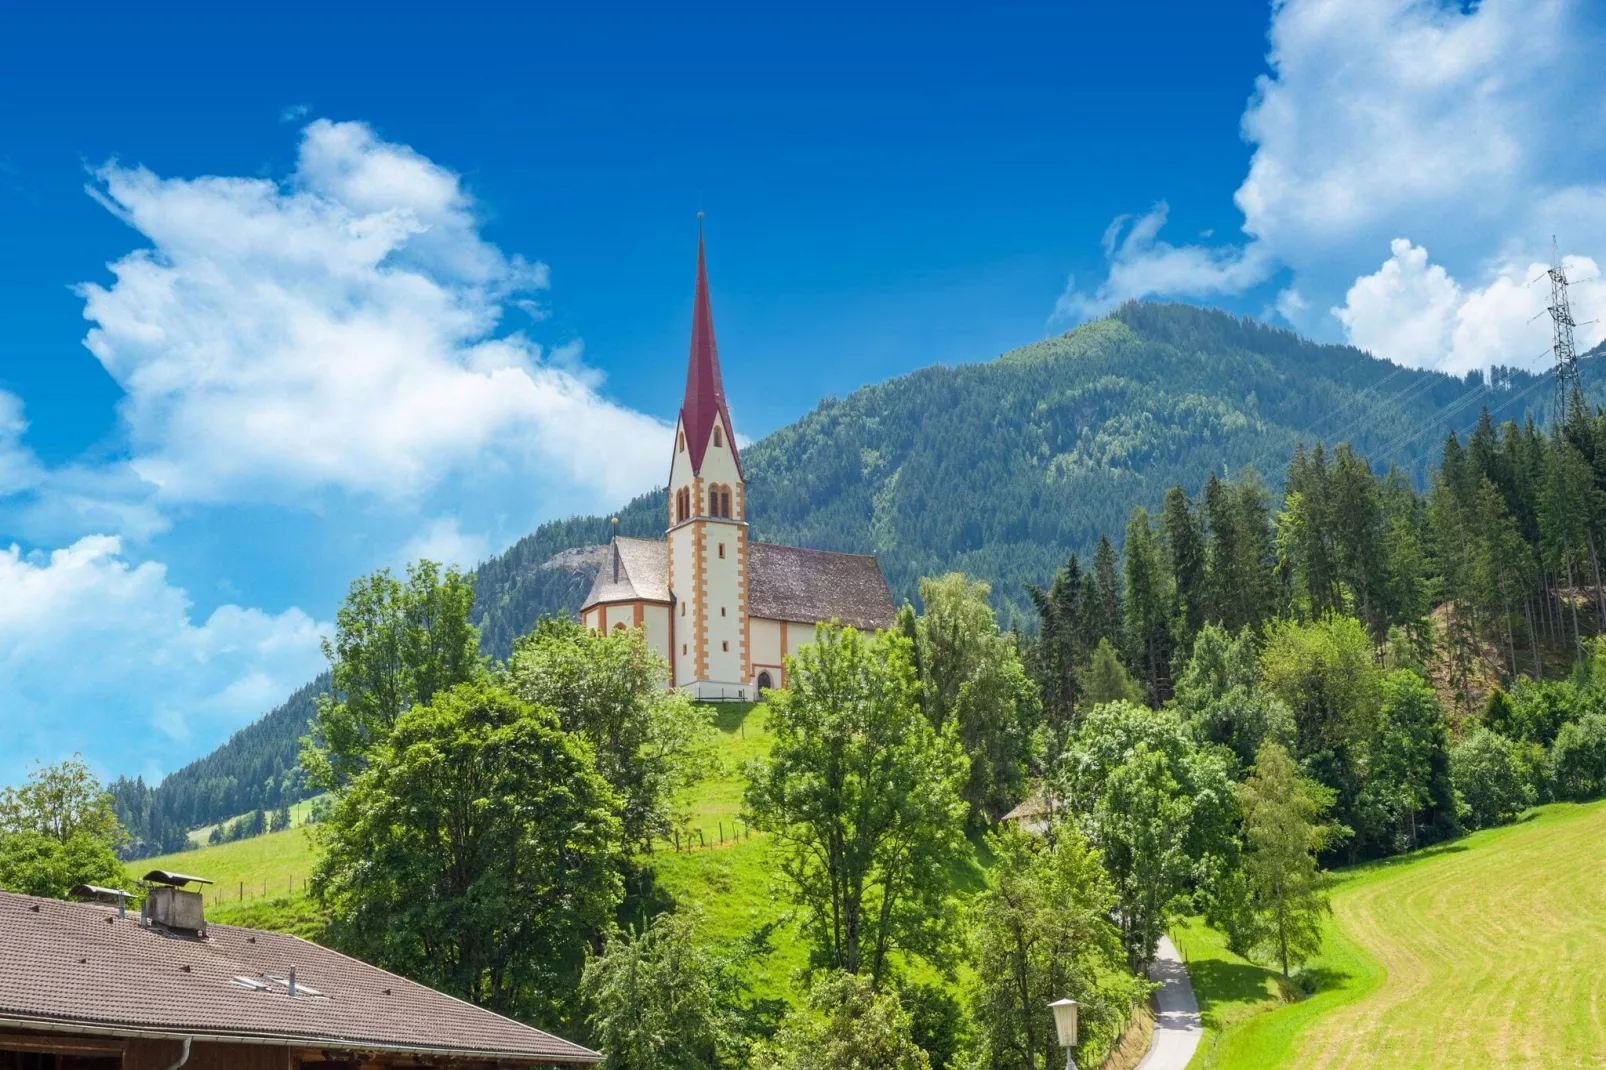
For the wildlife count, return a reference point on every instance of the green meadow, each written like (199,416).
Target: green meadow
(1481,952)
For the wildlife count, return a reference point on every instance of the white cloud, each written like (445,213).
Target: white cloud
(1411,307)
(445,541)
(101,655)
(1141,264)
(19,468)
(339,332)
(1474,131)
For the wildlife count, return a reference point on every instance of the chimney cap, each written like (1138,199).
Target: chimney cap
(162,876)
(95,891)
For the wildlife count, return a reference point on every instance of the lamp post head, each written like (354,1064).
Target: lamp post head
(1065,1021)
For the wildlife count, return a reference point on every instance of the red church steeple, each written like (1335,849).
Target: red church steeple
(705,393)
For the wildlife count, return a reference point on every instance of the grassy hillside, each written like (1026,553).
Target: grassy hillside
(732,879)
(1482,952)
(299,813)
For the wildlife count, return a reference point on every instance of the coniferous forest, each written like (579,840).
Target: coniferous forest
(1003,469)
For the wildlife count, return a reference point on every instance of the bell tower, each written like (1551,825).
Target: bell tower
(710,652)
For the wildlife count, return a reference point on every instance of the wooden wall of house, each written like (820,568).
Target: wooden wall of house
(159,1054)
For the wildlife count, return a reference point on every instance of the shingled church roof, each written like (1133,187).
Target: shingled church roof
(783,582)
(791,583)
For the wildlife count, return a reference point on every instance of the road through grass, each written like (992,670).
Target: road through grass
(1483,952)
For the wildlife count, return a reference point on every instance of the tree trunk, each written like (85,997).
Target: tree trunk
(1533,637)
(1572,600)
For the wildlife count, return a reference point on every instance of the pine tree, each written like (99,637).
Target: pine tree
(1185,555)
(1148,601)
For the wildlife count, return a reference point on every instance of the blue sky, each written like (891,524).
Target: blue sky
(291,296)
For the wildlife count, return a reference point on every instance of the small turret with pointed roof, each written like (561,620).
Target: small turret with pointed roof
(705,392)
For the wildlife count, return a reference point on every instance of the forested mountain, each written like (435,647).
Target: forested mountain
(998,469)
(255,770)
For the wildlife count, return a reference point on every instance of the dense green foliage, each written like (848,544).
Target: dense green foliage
(662,999)
(397,644)
(1040,932)
(864,796)
(57,830)
(846,1024)
(1160,809)
(476,851)
(971,680)
(612,691)
(1284,892)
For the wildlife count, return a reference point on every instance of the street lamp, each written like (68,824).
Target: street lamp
(1065,1022)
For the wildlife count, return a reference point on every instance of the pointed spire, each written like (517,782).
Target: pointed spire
(705,392)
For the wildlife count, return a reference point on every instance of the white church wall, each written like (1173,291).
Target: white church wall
(766,635)
(722,580)
(681,570)
(655,621)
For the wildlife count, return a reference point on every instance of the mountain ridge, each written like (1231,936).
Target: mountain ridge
(999,468)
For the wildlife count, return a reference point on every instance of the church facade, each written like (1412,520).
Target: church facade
(724,611)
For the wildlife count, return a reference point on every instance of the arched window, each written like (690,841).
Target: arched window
(725,503)
(682,443)
(719,439)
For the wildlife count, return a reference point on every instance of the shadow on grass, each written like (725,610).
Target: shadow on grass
(1216,981)
(644,898)
(728,716)
(1453,847)
(1316,979)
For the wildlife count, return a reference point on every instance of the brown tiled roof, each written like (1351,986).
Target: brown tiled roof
(790,583)
(80,964)
(642,573)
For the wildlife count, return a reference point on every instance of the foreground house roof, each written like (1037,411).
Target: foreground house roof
(80,965)
(783,582)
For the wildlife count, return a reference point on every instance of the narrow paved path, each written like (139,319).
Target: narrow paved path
(1176,1018)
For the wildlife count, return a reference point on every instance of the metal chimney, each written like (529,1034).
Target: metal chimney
(173,906)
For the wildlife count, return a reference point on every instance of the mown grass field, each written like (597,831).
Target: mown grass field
(1483,952)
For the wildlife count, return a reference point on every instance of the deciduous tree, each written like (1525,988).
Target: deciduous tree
(649,741)
(477,852)
(862,795)
(1041,931)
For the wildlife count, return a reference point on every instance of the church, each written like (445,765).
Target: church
(724,611)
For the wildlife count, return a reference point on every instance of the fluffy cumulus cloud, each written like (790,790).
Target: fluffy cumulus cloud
(1411,306)
(103,656)
(1412,159)
(339,330)
(330,354)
